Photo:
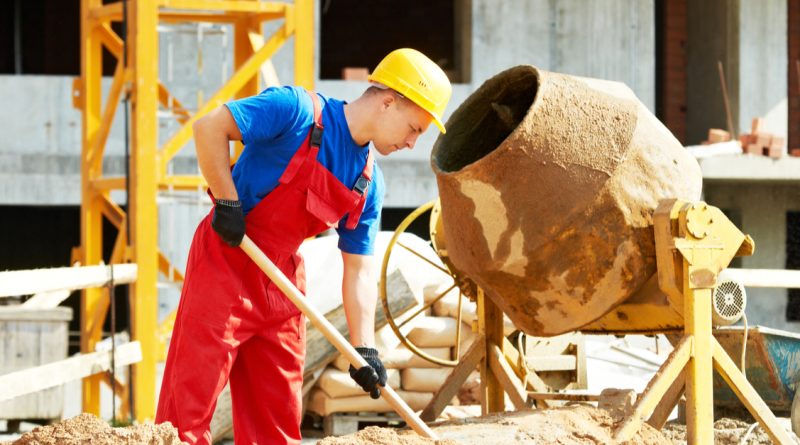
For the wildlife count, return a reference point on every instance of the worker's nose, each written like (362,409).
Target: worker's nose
(411,140)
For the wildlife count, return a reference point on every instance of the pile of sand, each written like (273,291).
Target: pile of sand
(382,436)
(726,432)
(573,425)
(87,428)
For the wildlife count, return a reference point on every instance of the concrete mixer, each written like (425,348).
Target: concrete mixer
(565,204)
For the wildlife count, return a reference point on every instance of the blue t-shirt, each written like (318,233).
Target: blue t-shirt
(273,125)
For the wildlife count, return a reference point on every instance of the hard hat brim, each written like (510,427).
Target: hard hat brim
(439,124)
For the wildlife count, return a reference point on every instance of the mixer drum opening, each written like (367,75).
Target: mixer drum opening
(548,184)
(486,119)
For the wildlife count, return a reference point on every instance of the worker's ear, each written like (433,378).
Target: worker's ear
(387,99)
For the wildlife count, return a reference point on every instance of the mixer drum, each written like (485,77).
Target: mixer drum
(548,184)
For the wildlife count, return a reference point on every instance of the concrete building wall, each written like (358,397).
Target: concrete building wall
(762,209)
(750,39)
(763,54)
(613,40)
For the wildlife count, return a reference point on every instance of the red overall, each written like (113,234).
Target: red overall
(233,321)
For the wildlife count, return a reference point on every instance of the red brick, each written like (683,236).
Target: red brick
(763,139)
(775,153)
(753,149)
(717,135)
(355,74)
(756,125)
(777,142)
(744,140)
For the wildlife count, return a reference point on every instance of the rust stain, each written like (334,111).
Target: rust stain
(577,174)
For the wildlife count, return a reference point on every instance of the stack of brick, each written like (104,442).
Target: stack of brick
(415,379)
(761,143)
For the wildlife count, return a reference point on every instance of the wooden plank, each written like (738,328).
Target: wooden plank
(26,282)
(507,378)
(552,363)
(466,365)
(53,374)
(778,278)
(47,300)
(534,381)
(664,408)
(671,370)
(490,324)
(18,313)
(319,351)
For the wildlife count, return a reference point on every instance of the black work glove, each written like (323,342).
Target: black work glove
(228,221)
(369,377)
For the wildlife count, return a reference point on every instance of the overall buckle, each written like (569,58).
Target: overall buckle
(361,184)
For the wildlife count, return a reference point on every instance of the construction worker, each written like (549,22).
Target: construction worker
(306,167)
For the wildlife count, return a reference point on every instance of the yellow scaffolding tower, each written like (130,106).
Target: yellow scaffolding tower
(136,76)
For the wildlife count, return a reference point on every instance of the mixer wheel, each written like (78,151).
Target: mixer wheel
(395,244)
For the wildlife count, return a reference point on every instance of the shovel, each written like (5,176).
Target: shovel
(331,333)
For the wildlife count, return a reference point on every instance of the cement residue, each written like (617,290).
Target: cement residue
(88,429)
(573,425)
(726,432)
(552,218)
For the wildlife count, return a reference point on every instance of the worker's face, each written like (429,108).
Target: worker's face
(400,123)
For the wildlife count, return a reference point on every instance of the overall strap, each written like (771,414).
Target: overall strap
(310,146)
(361,187)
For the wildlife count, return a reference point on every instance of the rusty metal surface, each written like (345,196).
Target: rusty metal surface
(548,183)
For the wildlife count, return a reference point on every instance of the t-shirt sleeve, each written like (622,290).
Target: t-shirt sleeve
(268,115)
(361,240)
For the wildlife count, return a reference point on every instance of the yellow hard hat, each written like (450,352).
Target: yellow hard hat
(415,76)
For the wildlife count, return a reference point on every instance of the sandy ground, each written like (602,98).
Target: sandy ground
(729,432)
(574,425)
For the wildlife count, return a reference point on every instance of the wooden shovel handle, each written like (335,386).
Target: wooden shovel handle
(330,332)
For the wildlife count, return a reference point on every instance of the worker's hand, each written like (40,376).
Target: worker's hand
(369,377)
(228,221)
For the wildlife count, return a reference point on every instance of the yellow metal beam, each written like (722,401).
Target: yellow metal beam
(98,142)
(109,183)
(172,103)
(91,219)
(236,82)
(143,55)
(243,49)
(303,43)
(225,5)
(182,182)
(107,13)
(112,211)
(109,39)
